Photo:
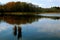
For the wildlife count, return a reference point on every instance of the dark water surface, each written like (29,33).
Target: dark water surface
(29,27)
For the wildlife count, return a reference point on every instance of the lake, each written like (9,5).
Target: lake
(30,27)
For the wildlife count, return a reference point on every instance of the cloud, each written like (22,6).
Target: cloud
(45,25)
(4,26)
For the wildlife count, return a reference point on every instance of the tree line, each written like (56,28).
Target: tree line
(19,7)
(25,7)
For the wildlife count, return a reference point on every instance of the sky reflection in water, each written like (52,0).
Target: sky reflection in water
(44,28)
(30,29)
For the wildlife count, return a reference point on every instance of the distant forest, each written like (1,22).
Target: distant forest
(25,7)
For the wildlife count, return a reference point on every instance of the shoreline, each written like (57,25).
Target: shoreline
(27,13)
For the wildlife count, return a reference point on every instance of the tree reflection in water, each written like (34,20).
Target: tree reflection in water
(17,32)
(23,19)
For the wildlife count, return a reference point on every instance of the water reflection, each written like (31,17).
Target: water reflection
(17,32)
(25,19)
(33,27)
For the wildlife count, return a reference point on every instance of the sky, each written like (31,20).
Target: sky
(41,3)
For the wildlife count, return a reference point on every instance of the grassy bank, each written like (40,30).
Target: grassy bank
(25,13)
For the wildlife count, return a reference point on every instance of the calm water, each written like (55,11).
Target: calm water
(29,27)
(50,14)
